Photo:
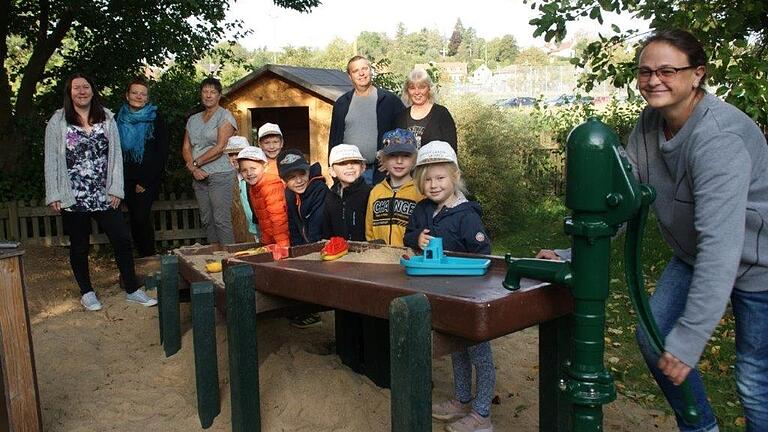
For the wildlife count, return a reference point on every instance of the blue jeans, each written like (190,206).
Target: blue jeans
(751,312)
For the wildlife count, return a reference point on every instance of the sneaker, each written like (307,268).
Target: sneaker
(90,302)
(140,297)
(450,410)
(304,321)
(472,422)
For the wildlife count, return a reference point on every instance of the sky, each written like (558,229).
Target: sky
(276,27)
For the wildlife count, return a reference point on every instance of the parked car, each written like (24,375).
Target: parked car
(517,102)
(569,99)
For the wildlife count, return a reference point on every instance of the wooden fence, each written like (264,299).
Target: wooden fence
(176,219)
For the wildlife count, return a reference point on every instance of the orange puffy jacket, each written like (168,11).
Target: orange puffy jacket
(267,200)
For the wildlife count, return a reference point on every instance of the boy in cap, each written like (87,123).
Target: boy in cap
(266,196)
(344,216)
(345,206)
(305,196)
(271,141)
(234,145)
(392,201)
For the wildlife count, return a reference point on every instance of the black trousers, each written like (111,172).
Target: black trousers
(78,226)
(140,211)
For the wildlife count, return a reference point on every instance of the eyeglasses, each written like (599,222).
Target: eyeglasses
(666,73)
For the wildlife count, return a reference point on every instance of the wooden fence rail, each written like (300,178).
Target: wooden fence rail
(176,219)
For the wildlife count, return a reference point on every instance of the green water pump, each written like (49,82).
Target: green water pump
(602,194)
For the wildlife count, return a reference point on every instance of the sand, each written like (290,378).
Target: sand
(105,371)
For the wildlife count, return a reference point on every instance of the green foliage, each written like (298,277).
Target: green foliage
(500,157)
(532,56)
(502,51)
(384,78)
(734,34)
(621,116)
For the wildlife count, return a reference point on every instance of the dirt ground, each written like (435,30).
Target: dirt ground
(105,371)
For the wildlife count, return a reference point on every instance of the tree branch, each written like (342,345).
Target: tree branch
(5,84)
(33,71)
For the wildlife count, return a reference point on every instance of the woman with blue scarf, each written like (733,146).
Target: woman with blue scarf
(144,140)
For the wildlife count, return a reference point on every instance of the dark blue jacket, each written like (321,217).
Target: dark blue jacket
(388,107)
(305,211)
(460,227)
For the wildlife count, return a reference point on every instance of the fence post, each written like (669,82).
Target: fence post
(153,282)
(206,367)
(243,352)
(169,293)
(13,220)
(410,324)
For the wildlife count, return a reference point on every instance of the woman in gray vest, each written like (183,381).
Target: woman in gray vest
(205,137)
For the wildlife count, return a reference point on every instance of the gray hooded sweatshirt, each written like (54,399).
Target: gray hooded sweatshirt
(711,181)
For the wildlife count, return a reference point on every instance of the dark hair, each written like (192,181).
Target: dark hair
(136,81)
(356,58)
(685,42)
(96,112)
(213,82)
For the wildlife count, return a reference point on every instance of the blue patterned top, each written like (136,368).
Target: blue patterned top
(87,156)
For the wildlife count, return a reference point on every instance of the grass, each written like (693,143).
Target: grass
(542,227)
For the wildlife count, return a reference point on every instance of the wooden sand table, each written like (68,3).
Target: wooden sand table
(199,262)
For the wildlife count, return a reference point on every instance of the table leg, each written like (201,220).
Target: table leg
(169,295)
(204,339)
(554,343)
(243,352)
(410,324)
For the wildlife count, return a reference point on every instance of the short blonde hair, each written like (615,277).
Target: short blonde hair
(418,76)
(420,175)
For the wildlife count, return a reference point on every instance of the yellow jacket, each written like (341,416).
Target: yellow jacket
(389,211)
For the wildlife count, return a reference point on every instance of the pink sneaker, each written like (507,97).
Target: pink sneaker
(450,410)
(472,422)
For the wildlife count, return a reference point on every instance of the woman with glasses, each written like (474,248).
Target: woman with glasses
(707,161)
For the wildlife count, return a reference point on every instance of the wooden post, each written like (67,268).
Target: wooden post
(554,408)
(410,325)
(243,352)
(19,396)
(169,292)
(206,366)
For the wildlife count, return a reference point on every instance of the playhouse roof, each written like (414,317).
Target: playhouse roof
(326,83)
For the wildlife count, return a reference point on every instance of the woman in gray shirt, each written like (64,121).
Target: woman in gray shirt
(205,137)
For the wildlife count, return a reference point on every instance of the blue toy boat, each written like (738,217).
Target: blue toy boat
(435,263)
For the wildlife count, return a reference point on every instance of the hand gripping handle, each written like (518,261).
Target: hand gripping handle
(634,274)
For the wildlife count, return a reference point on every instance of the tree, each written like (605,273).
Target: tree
(112,40)
(532,57)
(456,38)
(734,34)
(373,44)
(503,50)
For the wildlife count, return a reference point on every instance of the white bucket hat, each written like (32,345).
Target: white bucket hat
(252,153)
(235,144)
(269,129)
(436,152)
(345,152)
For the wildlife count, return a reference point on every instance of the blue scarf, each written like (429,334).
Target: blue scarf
(136,127)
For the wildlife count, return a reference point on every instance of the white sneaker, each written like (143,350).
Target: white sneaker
(140,297)
(90,302)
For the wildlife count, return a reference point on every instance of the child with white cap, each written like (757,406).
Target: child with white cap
(234,145)
(271,141)
(344,216)
(345,206)
(266,196)
(446,213)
